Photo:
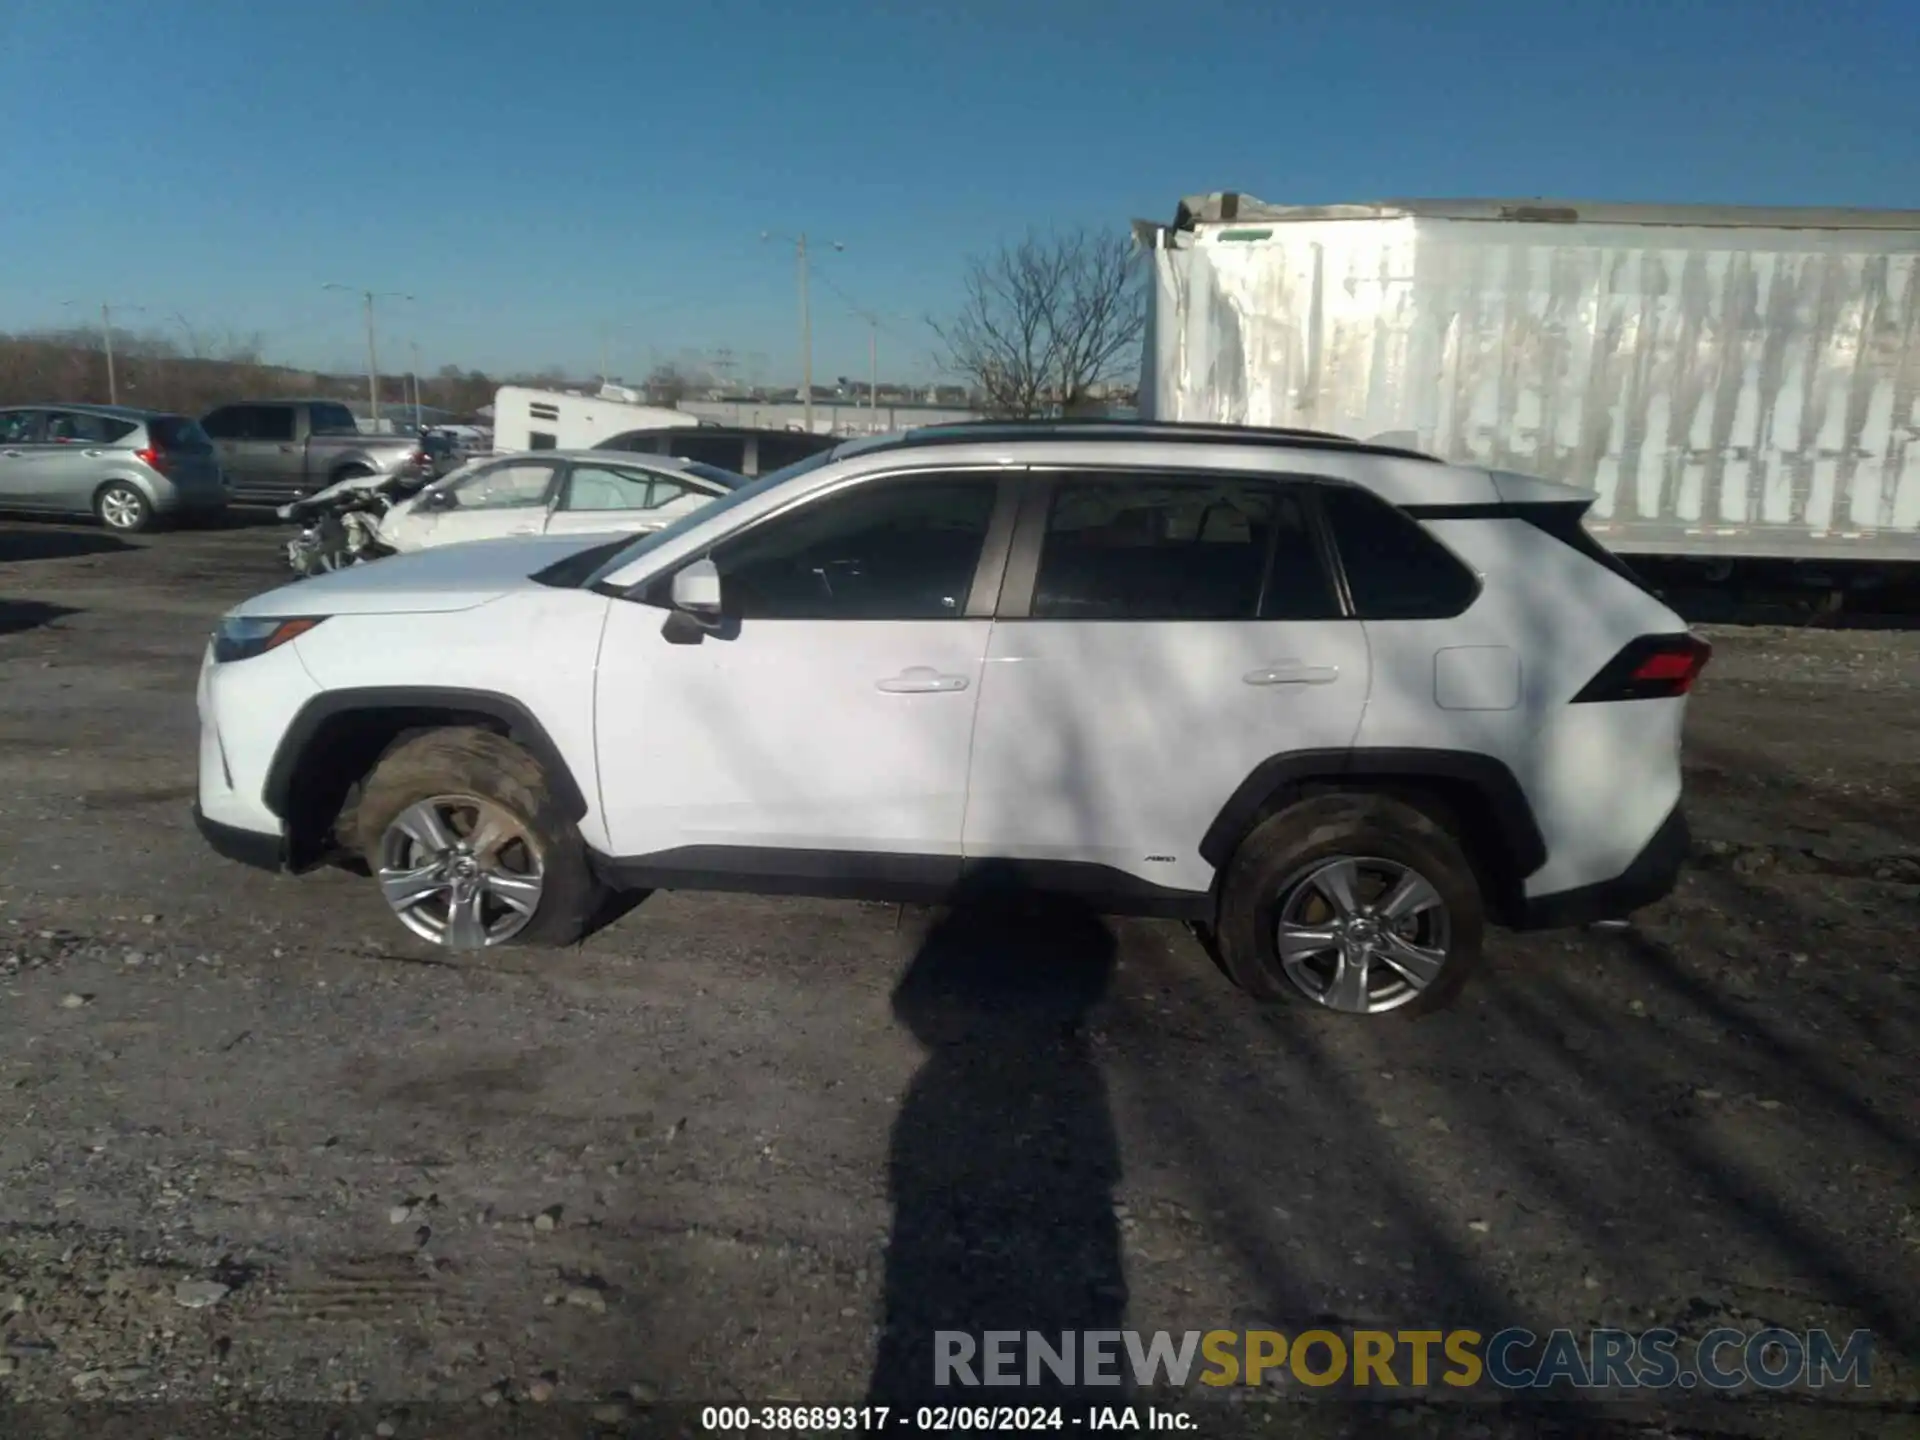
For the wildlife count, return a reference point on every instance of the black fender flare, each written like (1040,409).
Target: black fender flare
(521,727)
(1507,807)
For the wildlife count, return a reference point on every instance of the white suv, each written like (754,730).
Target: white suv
(1334,703)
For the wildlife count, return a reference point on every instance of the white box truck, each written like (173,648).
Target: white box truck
(1731,383)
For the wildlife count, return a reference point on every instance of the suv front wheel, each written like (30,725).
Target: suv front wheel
(1359,903)
(460,829)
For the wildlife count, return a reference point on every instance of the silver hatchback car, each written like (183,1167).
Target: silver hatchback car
(128,468)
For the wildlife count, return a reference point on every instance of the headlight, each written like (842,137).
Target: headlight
(241,637)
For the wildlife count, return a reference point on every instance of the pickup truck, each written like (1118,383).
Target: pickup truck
(273,451)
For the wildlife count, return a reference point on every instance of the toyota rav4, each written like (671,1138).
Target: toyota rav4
(1337,705)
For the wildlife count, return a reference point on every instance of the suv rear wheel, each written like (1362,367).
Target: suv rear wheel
(460,830)
(1359,903)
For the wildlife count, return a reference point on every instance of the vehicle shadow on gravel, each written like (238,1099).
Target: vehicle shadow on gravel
(18,615)
(48,542)
(1004,1157)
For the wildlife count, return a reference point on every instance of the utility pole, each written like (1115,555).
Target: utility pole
(106,341)
(414,346)
(373,358)
(806,324)
(873,320)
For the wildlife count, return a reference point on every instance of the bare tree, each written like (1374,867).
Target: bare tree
(1047,320)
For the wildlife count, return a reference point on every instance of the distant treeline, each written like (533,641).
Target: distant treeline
(156,372)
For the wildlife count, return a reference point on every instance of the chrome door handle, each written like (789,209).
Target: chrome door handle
(1292,672)
(923,680)
(93,454)
(10,454)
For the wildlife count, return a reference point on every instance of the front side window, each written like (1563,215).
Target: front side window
(900,549)
(597,487)
(502,487)
(1170,547)
(21,427)
(1395,569)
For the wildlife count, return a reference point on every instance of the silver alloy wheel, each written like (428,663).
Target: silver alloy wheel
(1360,934)
(461,871)
(120,508)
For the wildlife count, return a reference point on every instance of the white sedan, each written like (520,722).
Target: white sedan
(554,492)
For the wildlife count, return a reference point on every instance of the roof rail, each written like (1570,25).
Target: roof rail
(962,432)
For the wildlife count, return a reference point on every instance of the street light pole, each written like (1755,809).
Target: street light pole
(373,358)
(106,339)
(806,340)
(806,320)
(106,342)
(414,346)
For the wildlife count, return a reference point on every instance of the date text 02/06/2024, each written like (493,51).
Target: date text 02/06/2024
(939,1418)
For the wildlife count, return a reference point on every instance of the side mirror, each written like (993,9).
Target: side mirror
(696,589)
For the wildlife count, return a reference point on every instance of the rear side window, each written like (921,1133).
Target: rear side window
(266,422)
(729,452)
(779,451)
(330,420)
(176,432)
(1395,570)
(1179,548)
(640,442)
(713,474)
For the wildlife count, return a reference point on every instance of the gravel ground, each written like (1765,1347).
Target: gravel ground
(257,1152)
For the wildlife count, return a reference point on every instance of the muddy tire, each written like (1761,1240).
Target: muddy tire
(460,830)
(1359,903)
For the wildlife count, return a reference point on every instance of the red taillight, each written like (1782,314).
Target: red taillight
(1654,667)
(152,456)
(421,458)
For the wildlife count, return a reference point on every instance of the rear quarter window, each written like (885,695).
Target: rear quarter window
(1394,569)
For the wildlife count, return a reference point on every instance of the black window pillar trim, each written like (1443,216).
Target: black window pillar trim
(1023,555)
(1323,544)
(521,725)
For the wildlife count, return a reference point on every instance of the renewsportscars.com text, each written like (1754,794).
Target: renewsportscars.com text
(1510,1359)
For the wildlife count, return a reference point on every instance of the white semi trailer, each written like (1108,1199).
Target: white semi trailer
(528,419)
(1731,383)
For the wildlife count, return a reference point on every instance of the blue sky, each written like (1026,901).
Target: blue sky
(543,176)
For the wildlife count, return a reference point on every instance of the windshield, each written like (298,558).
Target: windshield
(746,491)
